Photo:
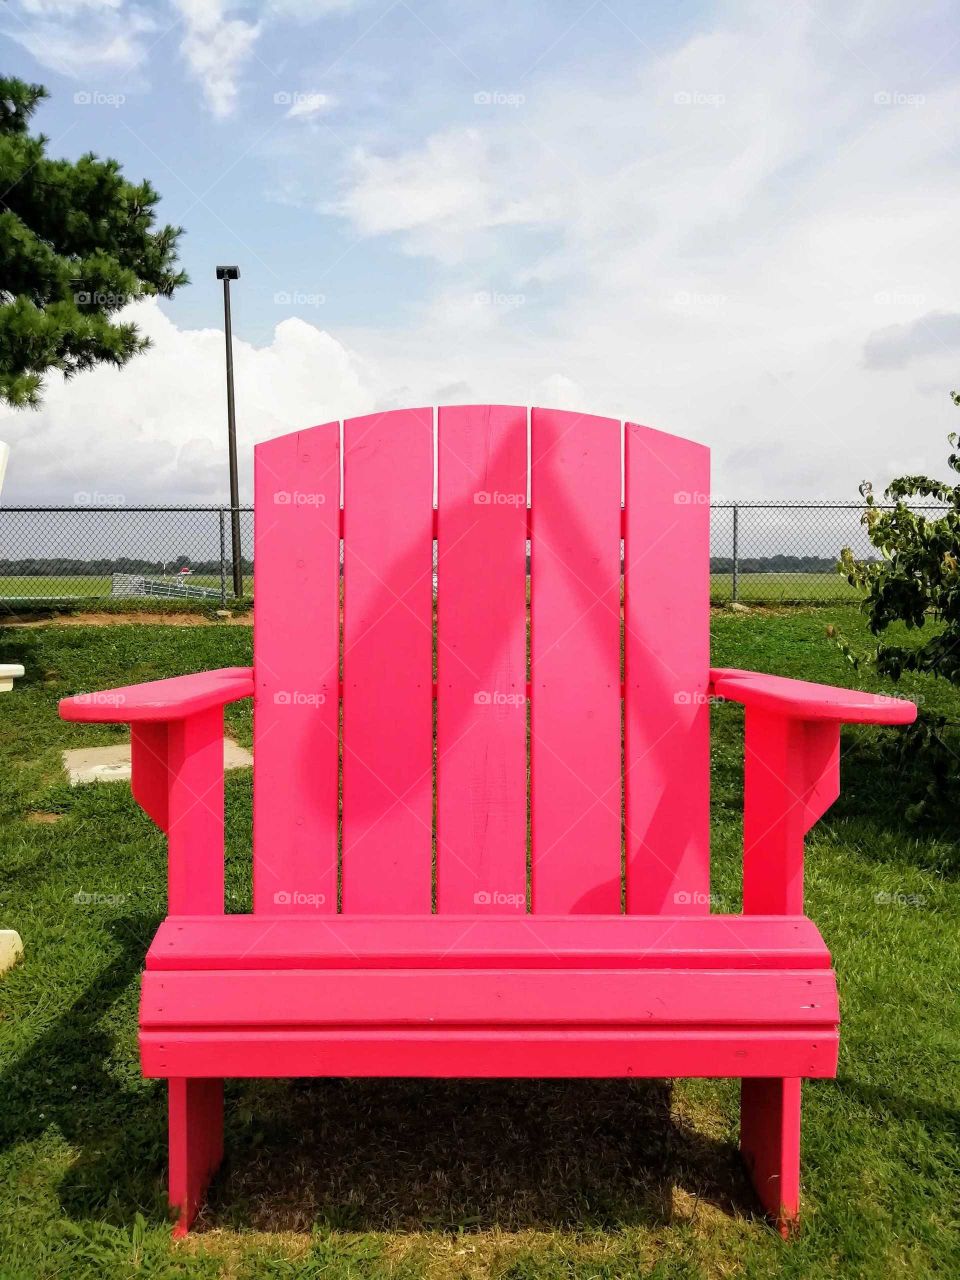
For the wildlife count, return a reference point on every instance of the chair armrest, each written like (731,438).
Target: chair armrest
(791,772)
(176,750)
(161,700)
(803,700)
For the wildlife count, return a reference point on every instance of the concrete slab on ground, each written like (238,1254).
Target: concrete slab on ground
(112,764)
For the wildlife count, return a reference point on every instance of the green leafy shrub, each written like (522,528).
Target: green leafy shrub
(916,582)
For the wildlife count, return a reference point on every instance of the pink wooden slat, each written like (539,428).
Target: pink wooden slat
(387,657)
(481,660)
(425,942)
(709,1053)
(488,998)
(575,612)
(667,660)
(295,648)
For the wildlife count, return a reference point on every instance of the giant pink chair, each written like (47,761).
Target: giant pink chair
(551,916)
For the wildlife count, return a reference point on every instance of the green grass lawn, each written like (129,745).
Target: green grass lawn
(556,1180)
(784,588)
(19,588)
(40,587)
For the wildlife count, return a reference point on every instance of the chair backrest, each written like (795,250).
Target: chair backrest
(493,704)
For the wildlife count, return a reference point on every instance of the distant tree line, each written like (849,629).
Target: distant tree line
(774,564)
(60,568)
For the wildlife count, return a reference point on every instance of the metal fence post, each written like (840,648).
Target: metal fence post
(223,559)
(736,554)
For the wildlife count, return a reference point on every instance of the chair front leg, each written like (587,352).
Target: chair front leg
(791,777)
(196,1145)
(178,780)
(770,1146)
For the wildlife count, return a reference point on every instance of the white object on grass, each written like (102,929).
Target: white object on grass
(8,673)
(11,949)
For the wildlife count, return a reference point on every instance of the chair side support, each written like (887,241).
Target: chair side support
(176,728)
(791,778)
(178,781)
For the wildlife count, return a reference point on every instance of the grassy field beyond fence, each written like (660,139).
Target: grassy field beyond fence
(784,588)
(581,1180)
(752,588)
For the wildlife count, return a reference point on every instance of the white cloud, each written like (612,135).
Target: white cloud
(308,10)
(83,38)
(442,198)
(929,335)
(68,8)
(156,430)
(306,106)
(710,246)
(216,48)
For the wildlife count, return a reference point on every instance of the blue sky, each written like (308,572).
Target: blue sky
(251,164)
(735,221)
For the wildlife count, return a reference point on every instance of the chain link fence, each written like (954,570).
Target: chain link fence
(760,553)
(783,552)
(74,555)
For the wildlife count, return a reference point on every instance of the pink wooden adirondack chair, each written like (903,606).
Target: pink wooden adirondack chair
(393,943)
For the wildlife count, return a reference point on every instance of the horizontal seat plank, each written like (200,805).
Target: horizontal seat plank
(477,942)
(488,998)
(713,1053)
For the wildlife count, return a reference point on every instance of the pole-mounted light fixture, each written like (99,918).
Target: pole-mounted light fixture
(226,274)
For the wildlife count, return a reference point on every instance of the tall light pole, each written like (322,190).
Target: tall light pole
(226,274)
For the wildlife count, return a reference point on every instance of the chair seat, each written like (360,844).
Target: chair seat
(488,996)
(491,941)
